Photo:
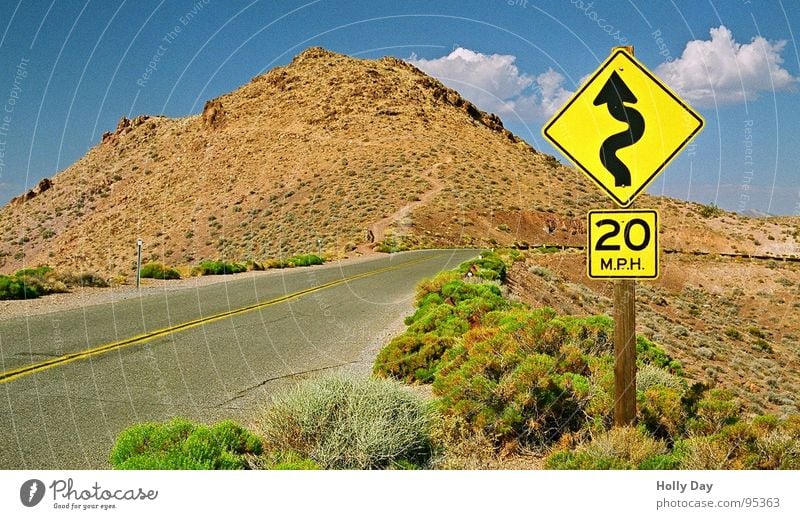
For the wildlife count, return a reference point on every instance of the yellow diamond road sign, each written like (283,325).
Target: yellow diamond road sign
(623,127)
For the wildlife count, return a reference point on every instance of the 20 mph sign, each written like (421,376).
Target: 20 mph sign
(622,244)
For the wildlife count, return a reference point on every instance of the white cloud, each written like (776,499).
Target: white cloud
(495,84)
(723,71)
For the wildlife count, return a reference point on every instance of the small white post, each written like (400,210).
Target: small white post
(138,262)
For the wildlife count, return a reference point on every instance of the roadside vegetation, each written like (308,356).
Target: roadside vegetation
(511,385)
(301,260)
(31,283)
(159,271)
(180,444)
(391,246)
(343,422)
(514,380)
(220,267)
(338,422)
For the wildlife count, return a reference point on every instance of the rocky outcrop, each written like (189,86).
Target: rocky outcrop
(213,114)
(124,126)
(43,186)
(449,96)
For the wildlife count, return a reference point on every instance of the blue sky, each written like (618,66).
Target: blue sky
(70,69)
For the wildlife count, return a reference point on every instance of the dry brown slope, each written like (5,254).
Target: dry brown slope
(322,148)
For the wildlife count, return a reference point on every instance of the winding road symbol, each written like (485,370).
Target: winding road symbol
(601,128)
(615,93)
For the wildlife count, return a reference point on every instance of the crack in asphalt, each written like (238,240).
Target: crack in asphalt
(243,392)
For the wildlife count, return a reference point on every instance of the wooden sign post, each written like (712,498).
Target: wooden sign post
(625,351)
(638,126)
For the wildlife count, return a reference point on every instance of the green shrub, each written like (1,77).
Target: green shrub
(762,345)
(648,353)
(82,279)
(90,279)
(716,409)
(391,244)
(490,266)
(254,265)
(347,423)
(283,460)
(434,285)
(30,283)
(302,260)
(517,376)
(13,287)
(733,333)
(306,260)
(661,411)
(619,448)
(159,271)
(180,444)
(765,442)
(390,247)
(511,397)
(510,256)
(528,376)
(441,317)
(649,375)
(39,272)
(218,267)
(412,357)
(709,211)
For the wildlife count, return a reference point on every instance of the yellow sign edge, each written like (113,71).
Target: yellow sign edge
(701,124)
(589,244)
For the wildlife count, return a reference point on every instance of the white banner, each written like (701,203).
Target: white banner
(401,494)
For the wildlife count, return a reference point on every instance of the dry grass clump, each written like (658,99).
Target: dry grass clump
(341,422)
(618,448)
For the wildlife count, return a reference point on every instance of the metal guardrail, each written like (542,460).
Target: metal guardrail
(793,259)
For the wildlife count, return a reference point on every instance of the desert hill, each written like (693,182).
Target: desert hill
(326,148)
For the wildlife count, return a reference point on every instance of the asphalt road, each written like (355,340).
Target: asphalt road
(69,381)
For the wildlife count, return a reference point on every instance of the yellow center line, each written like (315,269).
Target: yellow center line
(8,376)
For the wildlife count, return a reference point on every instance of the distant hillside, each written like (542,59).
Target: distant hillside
(754,213)
(326,148)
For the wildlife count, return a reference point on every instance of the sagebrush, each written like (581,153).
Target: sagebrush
(342,422)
